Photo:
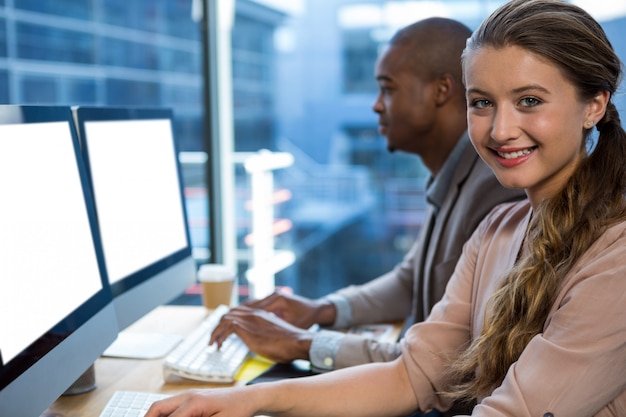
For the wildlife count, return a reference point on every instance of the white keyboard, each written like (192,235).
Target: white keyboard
(193,358)
(130,404)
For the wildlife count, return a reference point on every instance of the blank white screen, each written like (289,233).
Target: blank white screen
(137,192)
(48,265)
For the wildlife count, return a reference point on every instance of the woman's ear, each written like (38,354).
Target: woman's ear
(596,107)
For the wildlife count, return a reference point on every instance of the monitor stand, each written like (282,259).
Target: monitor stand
(85,383)
(133,345)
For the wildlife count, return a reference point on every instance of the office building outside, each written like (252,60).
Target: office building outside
(302,76)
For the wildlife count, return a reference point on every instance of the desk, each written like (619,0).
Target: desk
(114,374)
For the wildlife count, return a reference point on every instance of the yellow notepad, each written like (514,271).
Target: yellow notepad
(253,367)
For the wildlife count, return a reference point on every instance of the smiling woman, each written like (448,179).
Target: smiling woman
(533,321)
(526,120)
(543,107)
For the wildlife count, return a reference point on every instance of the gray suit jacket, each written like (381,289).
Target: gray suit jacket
(413,287)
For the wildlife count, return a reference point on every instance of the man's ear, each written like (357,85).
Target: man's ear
(446,86)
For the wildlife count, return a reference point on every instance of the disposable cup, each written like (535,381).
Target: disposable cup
(217,283)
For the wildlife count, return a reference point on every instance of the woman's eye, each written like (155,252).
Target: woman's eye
(480,104)
(530,101)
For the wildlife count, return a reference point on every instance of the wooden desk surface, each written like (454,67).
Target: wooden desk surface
(146,375)
(114,374)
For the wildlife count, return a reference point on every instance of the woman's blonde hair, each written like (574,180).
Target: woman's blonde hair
(563,227)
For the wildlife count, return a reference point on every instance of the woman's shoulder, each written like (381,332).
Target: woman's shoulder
(614,235)
(513,207)
(510,213)
(504,225)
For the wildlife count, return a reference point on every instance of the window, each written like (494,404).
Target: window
(303,83)
(360,52)
(110,53)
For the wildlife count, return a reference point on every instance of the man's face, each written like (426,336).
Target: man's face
(405,104)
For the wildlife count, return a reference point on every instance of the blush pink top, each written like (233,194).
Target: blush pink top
(576,367)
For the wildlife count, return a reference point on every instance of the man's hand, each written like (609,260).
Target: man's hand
(265,334)
(298,311)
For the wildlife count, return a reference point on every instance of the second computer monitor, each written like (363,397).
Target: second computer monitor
(132,161)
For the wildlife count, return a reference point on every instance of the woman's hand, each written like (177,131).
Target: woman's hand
(231,402)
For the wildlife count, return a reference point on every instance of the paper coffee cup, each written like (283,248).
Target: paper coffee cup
(217,283)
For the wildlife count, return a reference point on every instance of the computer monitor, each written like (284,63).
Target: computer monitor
(56,312)
(132,160)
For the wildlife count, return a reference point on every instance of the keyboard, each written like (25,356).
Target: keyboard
(193,358)
(130,404)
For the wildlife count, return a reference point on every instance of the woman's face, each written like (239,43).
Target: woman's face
(525,119)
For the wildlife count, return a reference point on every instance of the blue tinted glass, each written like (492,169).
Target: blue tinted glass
(3,37)
(80,91)
(54,44)
(69,8)
(4,87)
(131,93)
(39,90)
(121,53)
(159,16)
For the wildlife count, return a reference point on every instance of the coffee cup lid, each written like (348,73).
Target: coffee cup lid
(215,272)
